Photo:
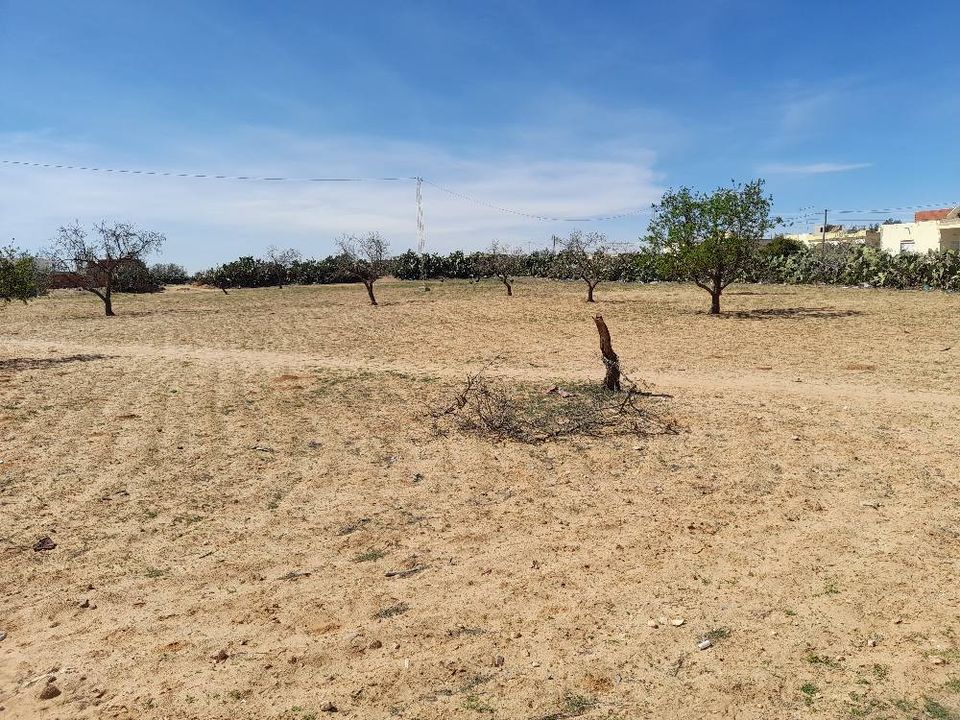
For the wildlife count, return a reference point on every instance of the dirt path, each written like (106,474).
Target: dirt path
(760,382)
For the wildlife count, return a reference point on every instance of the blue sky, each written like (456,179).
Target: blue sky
(555,108)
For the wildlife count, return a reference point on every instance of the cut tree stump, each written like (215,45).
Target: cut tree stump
(612,379)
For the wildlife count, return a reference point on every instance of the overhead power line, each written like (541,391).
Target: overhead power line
(207,176)
(906,208)
(262,178)
(791,218)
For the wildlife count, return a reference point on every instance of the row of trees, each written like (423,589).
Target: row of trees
(110,258)
(362,259)
(707,238)
(710,239)
(785,263)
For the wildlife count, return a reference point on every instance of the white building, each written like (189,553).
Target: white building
(931,230)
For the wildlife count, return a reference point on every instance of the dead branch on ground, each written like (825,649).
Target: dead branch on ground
(530,415)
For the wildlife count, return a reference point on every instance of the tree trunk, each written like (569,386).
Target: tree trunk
(610,359)
(715,302)
(373,298)
(108,296)
(509,288)
(590,287)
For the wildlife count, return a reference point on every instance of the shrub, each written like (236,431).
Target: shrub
(135,277)
(20,276)
(782,246)
(169,274)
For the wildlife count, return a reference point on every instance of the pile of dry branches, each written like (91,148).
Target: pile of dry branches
(531,415)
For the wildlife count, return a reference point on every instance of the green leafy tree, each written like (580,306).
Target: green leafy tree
(20,276)
(711,238)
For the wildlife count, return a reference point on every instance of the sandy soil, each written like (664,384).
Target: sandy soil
(233,482)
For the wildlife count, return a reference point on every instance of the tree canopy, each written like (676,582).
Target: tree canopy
(365,258)
(91,261)
(711,238)
(586,256)
(501,262)
(20,275)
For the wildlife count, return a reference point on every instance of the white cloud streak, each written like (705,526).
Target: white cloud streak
(208,221)
(810,168)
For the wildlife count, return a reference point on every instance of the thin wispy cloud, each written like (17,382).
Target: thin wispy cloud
(820,168)
(804,112)
(800,112)
(246,217)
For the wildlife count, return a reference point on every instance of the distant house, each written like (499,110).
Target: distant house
(838,235)
(930,230)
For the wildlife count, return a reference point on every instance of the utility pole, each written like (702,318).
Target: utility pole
(823,230)
(421,233)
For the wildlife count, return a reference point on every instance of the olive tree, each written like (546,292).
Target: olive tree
(586,257)
(710,238)
(502,263)
(366,258)
(21,277)
(91,261)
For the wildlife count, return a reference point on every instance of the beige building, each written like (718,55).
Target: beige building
(931,230)
(838,235)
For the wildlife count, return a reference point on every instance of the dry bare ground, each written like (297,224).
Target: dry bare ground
(248,497)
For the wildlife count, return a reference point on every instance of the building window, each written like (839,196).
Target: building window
(906,246)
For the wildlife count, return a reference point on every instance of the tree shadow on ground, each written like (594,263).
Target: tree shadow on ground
(755,292)
(604,300)
(822,313)
(155,312)
(19,364)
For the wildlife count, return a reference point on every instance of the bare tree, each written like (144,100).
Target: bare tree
(585,256)
(91,263)
(502,263)
(281,262)
(365,258)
